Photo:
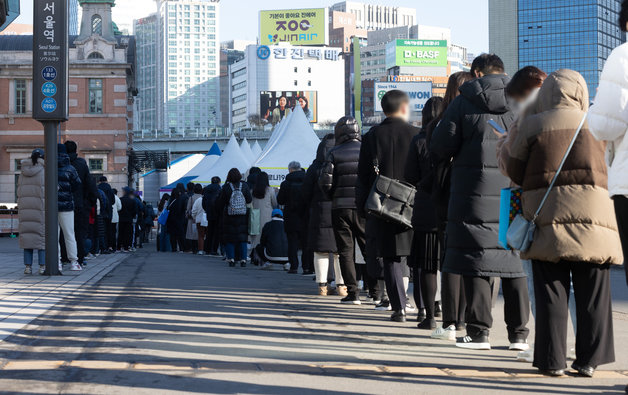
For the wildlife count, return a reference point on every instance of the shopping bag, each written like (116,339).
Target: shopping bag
(509,208)
(254,222)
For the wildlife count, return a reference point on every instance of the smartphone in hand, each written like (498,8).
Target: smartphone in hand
(496,126)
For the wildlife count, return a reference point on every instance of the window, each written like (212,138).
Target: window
(95,55)
(238,73)
(238,99)
(97,24)
(95,96)
(295,82)
(95,164)
(296,69)
(18,164)
(20,96)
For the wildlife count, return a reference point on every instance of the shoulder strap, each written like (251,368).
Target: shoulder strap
(560,167)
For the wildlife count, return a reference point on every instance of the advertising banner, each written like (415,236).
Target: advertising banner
(297,27)
(275,105)
(419,93)
(416,53)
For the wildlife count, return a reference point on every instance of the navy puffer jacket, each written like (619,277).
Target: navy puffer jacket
(69,182)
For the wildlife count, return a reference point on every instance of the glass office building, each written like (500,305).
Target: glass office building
(573,34)
(73,6)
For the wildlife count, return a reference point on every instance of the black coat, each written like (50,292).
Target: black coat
(69,182)
(106,188)
(473,218)
(390,141)
(289,196)
(175,224)
(320,235)
(340,172)
(86,195)
(418,167)
(235,228)
(274,240)
(129,209)
(210,194)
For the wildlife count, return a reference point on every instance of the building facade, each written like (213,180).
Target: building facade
(73,15)
(101,95)
(317,72)
(376,17)
(146,35)
(342,29)
(503,32)
(186,67)
(230,52)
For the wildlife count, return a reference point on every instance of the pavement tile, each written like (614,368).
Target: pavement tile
(175,365)
(415,371)
(239,366)
(33,365)
(477,372)
(109,365)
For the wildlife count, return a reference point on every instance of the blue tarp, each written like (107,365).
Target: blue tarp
(215,150)
(182,180)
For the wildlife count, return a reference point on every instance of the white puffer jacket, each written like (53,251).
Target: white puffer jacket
(608,118)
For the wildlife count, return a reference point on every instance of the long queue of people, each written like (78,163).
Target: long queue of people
(488,133)
(93,220)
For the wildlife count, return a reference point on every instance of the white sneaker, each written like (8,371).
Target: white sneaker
(286,267)
(28,269)
(75,267)
(89,256)
(42,269)
(60,267)
(521,345)
(267,266)
(201,253)
(441,333)
(409,307)
(526,356)
(571,354)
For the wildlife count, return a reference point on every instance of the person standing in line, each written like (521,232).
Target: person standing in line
(210,194)
(99,244)
(320,234)
(114,200)
(32,211)
(253,172)
(84,199)
(200,219)
(175,224)
(472,248)
(576,236)
(191,233)
(338,180)
(289,196)
(231,202)
(127,214)
(69,182)
(388,147)
(163,244)
(265,200)
(426,248)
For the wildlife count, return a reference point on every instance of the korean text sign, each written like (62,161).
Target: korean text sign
(419,93)
(297,27)
(416,53)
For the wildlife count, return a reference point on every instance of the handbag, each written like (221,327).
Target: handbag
(163,217)
(521,231)
(509,207)
(254,221)
(390,200)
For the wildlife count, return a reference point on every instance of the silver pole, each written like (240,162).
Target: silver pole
(51,191)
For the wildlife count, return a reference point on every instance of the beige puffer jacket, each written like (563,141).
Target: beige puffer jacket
(30,201)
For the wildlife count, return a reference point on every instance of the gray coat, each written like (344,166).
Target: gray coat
(30,201)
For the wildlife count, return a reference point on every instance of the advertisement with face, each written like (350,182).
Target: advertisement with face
(276,105)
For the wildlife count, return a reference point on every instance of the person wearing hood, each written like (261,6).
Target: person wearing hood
(576,231)
(69,182)
(111,215)
(321,239)
(289,196)
(472,248)
(84,198)
(31,213)
(338,179)
(210,194)
(273,245)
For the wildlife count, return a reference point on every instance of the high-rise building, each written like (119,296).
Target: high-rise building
(230,52)
(73,17)
(376,17)
(146,34)
(552,34)
(186,72)
(342,29)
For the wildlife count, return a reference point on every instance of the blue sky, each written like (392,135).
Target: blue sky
(239,18)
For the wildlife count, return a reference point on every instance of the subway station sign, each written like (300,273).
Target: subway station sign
(297,27)
(50,60)
(416,53)
(419,93)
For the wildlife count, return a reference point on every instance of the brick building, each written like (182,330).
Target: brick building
(101,99)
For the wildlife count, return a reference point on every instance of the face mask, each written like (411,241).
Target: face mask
(520,106)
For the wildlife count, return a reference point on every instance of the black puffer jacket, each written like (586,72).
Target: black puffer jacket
(472,247)
(320,235)
(210,194)
(274,240)
(340,172)
(86,195)
(235,228)
(289,196)
(129,209)
(69,182)
(418,167)
(106,188)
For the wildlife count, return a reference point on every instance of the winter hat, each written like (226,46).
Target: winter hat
(277,213)
(61,148)
(38,152)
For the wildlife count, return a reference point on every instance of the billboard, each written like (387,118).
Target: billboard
(275,105)
(419,93)
(298,27)
(416,53)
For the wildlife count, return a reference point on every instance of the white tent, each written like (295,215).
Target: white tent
(180,166)
(246,150)
(208,161)
(293,139)
(231,157)
(256,149)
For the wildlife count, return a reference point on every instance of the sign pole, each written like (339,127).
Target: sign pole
(52,182)
(50,105)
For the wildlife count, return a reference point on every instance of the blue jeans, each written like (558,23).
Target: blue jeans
(28,257)
(527,269)
(230,249)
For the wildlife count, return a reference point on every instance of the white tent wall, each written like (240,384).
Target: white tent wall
(207,163)
(256,149)
(293,140)
(231,157)
(181,166)
(246,150)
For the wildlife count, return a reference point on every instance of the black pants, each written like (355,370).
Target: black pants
(621,211)
(453,299)
(348,229)
(212,238)
(394,271)
(125,235)
(516,306)
(594,332)
(81,222)
(111,234)
(294,244)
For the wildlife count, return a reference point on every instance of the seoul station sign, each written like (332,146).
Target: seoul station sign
(306,26)
(416,53)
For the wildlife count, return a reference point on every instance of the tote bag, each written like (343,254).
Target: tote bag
(509,208)
(254,222)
